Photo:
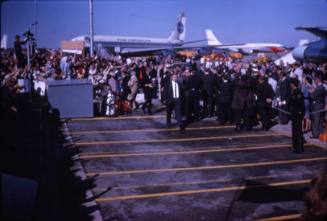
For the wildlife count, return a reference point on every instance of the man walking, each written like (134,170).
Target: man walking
(224,100)
(193,85)
(208,88)
(297,114)
(148,92)
(265,94)
(174,100)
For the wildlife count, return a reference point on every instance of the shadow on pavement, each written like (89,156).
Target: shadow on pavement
(34,150)
(259,193)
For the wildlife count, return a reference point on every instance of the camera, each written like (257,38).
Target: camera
(29,35)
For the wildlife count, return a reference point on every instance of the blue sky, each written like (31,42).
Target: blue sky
(233,21)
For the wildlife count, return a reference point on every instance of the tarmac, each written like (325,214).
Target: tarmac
(144,170)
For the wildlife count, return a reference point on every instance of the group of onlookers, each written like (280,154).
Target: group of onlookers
(234,91)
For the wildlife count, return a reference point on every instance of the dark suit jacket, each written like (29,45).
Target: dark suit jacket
(297,104)
(318,98)
(283,89)
(209,83)
(169,97)
(242,92)
(194,83)
(225,92)
(263,92)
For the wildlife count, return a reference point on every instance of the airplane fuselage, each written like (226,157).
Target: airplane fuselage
(129,42)
(251,47)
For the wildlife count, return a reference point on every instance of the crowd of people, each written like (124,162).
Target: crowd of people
(244,93)
(234,91)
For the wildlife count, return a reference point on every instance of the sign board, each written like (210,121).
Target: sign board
(72,45)
(73,98)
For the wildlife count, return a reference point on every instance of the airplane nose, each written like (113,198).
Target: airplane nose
(298,52)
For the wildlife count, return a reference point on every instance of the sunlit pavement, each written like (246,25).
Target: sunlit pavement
(144,170)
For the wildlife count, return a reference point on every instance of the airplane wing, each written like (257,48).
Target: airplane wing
(133,52)
(270,50)
(318,31)
(196,41)
(136,52)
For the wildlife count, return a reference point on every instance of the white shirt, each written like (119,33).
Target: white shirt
(298,72)
(273,83)
(175,89)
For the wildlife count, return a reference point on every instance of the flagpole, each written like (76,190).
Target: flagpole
(91,26)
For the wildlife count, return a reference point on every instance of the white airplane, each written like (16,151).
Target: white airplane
(246,48)
(130,45)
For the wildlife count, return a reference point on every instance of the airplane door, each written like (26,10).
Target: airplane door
(117,49)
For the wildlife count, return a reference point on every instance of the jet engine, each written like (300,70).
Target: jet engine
(314,52)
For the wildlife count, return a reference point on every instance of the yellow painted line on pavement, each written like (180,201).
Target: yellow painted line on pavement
(280,218)
(191,192)
(146,130)
(173,140)
(321,146)
(214,167)
(165,153)
(185,148)
(120,118)
(199,182)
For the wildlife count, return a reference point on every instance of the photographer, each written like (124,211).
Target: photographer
(18,51)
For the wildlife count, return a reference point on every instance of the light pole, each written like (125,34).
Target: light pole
(91,26)
(35,21)
(29,40)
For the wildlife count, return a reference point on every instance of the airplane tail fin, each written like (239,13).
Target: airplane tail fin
(179,31)
(4,41)
(212,40)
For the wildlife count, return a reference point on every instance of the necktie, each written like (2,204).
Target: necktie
(175,90)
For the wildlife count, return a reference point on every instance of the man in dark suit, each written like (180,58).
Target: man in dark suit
(297,109)
(224,100)
(284,93)
(173,96)
(243,102)
(18,51)
(193,85)
(265,95)
(146,82)
(317,103)
(209,84)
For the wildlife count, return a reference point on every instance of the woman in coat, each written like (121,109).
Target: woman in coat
(132,84)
